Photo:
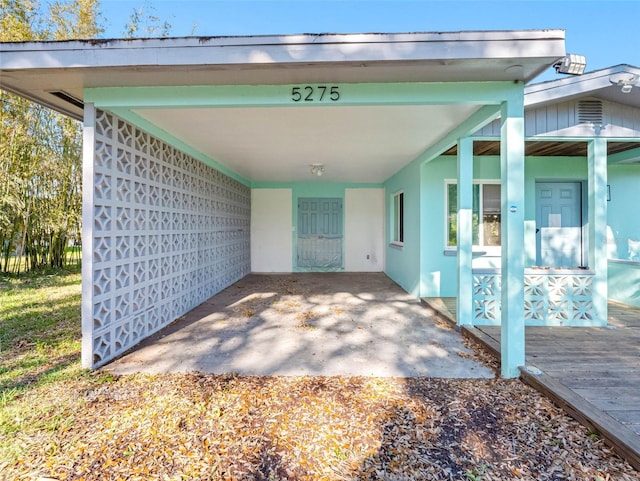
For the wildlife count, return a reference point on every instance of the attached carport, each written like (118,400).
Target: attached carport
(181,134)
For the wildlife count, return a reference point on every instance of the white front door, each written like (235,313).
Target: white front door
(559,233)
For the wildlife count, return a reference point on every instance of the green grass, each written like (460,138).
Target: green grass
(40,331)
(40,338)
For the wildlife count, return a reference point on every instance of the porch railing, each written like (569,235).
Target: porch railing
(551,297)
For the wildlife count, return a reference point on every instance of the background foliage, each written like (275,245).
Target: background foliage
(41,150)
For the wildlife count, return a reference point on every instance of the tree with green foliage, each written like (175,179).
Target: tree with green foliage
(40,150)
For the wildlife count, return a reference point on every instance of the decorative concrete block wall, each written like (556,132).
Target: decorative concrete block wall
(167,232)
(549,299)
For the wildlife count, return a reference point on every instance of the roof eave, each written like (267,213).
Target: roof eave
(34,69)
(566,88)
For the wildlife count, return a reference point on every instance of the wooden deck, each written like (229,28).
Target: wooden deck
(591,372)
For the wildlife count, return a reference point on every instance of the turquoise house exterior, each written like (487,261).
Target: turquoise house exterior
(206,159)
(579,131)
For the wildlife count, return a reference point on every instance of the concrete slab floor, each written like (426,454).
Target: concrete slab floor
(318,324)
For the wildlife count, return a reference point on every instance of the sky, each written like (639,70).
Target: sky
(605,31)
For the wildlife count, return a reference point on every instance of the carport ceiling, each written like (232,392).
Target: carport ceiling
(279,144)
(355,143)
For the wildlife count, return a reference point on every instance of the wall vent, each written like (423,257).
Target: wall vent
(61,94)
(590,112)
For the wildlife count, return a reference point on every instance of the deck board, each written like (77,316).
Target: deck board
(592,372)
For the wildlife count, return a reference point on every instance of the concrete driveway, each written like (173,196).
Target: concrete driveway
(323,324)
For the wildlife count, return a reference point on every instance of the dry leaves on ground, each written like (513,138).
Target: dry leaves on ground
(208,427)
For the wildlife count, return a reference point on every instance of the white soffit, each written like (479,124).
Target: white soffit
(278,144)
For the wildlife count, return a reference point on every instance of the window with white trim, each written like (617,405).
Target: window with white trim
(486,214)
(397,220)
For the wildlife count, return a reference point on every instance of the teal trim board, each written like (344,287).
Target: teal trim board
(208,96)
(314,187)
(627,155)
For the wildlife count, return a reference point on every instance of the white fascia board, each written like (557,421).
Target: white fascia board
(569,87)
(294,49)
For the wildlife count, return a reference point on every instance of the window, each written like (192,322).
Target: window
(486,214)
(398,218)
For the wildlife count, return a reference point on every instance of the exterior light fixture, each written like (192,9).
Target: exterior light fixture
(571,64)
(317,169)
(626,82)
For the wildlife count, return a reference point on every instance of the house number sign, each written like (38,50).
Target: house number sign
(315,93)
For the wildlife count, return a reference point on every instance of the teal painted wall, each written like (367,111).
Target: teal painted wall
(403,262)
(438,269)
(624,282)
(623,225)
(624,182)
(439,276)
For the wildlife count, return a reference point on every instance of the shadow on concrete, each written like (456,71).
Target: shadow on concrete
(306,324)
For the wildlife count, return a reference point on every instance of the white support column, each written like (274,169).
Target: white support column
(88,152)
(512,343)
(465,232)
(597,188)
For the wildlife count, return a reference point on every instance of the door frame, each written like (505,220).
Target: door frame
(584,216)
(296,250)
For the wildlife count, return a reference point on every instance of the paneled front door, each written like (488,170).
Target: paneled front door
(559,233)
(320,232)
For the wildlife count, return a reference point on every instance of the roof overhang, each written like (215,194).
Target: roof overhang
(601,84)
(36,69)
(57,74)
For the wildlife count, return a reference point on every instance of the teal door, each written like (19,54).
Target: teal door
(559,234)
(320,233)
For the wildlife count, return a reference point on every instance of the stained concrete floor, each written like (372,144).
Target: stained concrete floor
(307,324)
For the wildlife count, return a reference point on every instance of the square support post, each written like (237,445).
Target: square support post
(597,189)
(464,302)
(512,341)
(88,153)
